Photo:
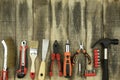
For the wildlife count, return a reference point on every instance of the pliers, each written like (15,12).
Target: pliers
(79,51)
(55,56)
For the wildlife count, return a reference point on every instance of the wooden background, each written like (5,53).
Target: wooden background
(76,20)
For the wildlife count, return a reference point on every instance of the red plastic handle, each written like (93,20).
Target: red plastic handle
(51,65)
(32,75)
(59,64)
(4,75)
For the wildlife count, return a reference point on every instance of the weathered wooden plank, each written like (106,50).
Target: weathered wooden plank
(24,25)
(7,12)
(7,27)
(77,32)
(112,27)
(59,29)
(94,30)
(7,30)
(41,30)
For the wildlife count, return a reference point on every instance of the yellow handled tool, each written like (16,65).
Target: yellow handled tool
(41,74)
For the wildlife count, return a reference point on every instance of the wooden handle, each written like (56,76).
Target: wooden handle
(41,74)
(33,57)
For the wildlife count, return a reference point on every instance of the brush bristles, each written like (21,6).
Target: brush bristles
(33,44)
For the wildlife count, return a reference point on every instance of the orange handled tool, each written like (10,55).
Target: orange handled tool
(67,66)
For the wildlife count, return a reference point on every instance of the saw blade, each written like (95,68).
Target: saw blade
(45,45)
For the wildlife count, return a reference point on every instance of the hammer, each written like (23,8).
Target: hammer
(105,43)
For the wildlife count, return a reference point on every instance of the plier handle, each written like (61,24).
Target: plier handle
(55,56)
(79,51)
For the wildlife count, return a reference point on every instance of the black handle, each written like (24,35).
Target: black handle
(105,70)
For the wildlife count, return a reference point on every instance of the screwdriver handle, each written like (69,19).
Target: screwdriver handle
(41,74)
(67,67)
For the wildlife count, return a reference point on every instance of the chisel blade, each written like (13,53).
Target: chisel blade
(45,44)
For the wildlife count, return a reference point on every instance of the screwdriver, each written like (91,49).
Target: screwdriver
(67,66)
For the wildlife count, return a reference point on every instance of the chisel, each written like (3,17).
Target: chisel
(41,74)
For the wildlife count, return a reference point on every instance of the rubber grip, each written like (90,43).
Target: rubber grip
(105,70)
(67,67)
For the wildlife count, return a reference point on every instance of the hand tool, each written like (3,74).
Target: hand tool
(83,51)
(90,73)
(55,56)
(80,68)
(105,43)
(67,66)
(96,57)
(5,70)
(33,54)
(79,51)
(41,74)
(23,64)
(9,59)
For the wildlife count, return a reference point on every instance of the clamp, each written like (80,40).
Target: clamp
(55,56)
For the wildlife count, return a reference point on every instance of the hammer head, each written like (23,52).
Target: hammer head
(106,42)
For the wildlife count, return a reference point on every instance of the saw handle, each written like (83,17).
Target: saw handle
(41,74)
(105,70)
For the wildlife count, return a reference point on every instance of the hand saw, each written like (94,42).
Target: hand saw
(41,74)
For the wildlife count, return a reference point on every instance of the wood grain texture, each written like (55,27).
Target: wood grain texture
(41,30)
(77,20)
(112,30)
(24,25)
(7,27)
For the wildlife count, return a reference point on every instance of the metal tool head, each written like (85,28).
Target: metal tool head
(106,42)
(45,44)
(81,45)
(23,43)
(5,55)
(55,47)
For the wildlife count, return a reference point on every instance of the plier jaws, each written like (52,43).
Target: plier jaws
(81,46)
